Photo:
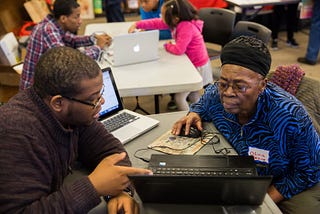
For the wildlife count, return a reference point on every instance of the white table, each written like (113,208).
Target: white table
(245,5)
(169,74)
(252,3)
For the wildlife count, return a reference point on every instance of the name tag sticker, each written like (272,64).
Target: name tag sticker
(259,154)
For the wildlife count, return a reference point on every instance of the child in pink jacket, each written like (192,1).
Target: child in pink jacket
(181,18)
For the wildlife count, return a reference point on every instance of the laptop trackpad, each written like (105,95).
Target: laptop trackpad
(127,132)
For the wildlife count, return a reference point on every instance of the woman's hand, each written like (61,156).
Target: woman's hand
(191,119)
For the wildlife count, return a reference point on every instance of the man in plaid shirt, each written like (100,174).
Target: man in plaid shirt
(59,29)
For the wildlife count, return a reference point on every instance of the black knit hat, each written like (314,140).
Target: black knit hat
(248,52)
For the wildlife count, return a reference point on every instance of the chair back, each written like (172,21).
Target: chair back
(306,89)
(309,94)
(248,28)
(218,24)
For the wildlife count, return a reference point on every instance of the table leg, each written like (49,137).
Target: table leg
(156,104)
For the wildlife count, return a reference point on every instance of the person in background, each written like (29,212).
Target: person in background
(313,48)
(152,9)
(261,119)
(290,11)
(181,18)
(59,29)
(47,127)
(114,11)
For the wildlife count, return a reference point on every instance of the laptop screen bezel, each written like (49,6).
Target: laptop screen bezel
(120,107)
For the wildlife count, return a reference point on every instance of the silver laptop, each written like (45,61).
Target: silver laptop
(133,48)
(122,123)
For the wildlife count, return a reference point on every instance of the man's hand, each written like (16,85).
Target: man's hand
(125,202)
(109,179)
(191,119)
(103,40)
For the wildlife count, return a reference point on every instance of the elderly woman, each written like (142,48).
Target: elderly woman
(259,118)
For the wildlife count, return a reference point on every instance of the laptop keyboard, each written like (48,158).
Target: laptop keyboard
(165,171)
(119,121)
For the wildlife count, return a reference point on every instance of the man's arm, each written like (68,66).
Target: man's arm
(31,180)
(84,42)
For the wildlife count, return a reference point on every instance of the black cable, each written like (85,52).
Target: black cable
(141,158)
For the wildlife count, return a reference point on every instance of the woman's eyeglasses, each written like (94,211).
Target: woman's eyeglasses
(94,105)
(236,87)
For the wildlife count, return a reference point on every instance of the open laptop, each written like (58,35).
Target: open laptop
(202,179)
(135,123)
(133,48)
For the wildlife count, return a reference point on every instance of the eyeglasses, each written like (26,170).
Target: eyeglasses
(215,140)
(236,87)
(94,105)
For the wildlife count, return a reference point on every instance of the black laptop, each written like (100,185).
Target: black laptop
(202,179)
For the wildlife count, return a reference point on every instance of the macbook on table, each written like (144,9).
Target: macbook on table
(122,123)
(133,48)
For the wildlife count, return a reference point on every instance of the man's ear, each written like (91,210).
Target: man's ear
(62,18)
(56,103)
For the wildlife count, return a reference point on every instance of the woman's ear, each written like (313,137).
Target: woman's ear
(263,84)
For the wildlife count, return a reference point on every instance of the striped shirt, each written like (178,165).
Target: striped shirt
(280,136)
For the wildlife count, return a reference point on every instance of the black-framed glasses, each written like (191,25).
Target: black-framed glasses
(237,87)
(215,140)
(94,105)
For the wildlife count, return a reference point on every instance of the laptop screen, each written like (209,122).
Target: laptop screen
(111,96)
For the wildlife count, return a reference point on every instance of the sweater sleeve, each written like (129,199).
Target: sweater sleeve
(96,143)
(303,151)
(89,48)
(152,24)
(183,38)
(29,183)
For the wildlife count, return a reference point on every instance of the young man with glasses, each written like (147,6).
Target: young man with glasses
(259,118)
(45,129)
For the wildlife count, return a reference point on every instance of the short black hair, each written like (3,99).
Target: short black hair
(60,70)
(64,7)
(181,9)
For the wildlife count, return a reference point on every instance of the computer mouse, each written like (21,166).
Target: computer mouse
(193,133)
